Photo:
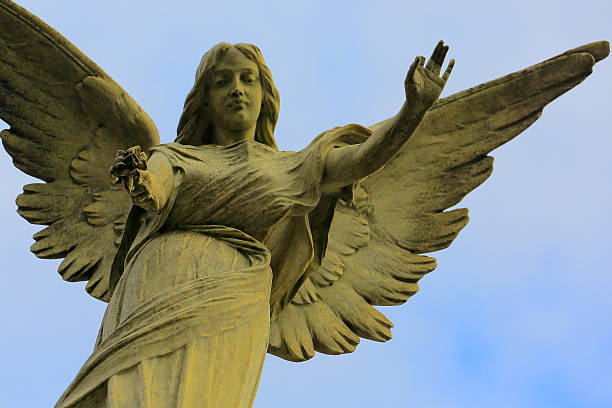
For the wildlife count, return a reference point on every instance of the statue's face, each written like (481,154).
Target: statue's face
(235,93)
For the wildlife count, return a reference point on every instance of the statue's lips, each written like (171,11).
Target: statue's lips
(237,105)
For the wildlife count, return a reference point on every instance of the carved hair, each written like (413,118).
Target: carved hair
(194,127)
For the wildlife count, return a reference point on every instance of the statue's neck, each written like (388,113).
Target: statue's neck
(226,137)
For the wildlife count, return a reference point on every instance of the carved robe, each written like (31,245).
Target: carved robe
(188,322)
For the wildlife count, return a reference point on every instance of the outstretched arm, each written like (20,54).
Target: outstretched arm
(423,86)
(147,181)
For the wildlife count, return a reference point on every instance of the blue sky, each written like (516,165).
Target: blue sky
(518,312)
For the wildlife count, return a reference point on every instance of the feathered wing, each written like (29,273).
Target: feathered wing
(399,212)
(67,120)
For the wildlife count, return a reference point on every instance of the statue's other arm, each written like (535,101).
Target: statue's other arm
(423,86)
(147,181)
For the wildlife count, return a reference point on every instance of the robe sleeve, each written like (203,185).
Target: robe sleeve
(298,243)
(136,229)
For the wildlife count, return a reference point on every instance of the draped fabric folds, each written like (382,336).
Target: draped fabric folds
(188,322)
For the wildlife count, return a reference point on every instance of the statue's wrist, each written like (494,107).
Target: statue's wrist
(413,110)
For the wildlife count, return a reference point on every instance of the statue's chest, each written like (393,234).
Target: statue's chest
(225,178)
(247,191)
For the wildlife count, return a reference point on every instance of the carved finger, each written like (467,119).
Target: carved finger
(410,74)
(448,71)
(433,62)
(443,55)
(437,57)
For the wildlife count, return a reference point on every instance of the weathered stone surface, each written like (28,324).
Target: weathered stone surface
(217,248)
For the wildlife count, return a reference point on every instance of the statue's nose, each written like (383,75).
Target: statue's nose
(237,92)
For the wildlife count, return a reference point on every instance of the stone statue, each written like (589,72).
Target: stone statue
(218,248)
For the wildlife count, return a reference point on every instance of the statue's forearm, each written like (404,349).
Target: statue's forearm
(387,140)
(345,165)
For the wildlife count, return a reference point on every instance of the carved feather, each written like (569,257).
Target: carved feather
(399,211)
(67,120)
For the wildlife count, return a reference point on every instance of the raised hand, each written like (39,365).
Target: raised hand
(423,84)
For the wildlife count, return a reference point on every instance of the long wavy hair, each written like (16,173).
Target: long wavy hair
(195,125)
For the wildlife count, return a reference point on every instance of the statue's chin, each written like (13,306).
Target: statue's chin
(237,121)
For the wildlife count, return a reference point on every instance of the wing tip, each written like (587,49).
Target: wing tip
(598,49)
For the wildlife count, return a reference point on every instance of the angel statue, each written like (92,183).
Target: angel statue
(218,248)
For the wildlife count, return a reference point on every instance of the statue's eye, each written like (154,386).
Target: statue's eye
(220,82)
(249,79)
